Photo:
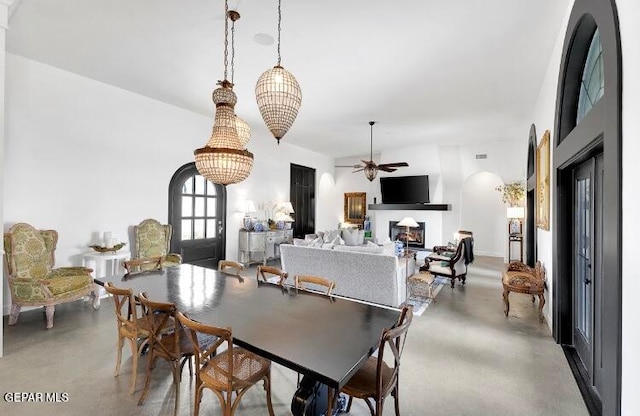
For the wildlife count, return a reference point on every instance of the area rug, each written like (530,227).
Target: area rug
(421,304)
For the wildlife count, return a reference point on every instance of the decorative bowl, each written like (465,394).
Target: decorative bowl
(101,249)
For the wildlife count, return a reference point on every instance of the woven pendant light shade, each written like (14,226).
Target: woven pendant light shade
(279,97)
(244,132)
(224,159)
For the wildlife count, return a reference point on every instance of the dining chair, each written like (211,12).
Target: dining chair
(266,272)
(130,327)
(300,281)
(233,371)
(230,267)
(140,265)
(376,379)
(172,346)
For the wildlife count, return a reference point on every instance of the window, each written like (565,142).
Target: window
(592,83)
(199,200)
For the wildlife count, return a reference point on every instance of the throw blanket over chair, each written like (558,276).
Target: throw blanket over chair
(29,258)
(152,240)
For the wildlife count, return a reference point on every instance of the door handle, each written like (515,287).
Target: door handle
(587,281)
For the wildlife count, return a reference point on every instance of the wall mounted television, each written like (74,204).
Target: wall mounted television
(405,189)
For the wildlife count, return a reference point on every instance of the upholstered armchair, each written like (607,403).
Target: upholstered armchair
(447,263)
(29,260)
(152,240)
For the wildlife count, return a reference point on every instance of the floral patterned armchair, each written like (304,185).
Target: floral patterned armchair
(29,259)
(152,240)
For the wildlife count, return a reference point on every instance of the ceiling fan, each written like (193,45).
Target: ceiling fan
(370,168)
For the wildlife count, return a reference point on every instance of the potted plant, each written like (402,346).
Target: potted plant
(512,193)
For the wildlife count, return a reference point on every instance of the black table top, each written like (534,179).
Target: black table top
(327,338)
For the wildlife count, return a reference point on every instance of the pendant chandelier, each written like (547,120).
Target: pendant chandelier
(278,95)
(224,159)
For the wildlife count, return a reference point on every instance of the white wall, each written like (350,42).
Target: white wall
(628,12)
(4,20)
(543,117)
(83,157)
(484,213)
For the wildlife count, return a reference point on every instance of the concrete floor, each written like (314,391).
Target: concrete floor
(462,357)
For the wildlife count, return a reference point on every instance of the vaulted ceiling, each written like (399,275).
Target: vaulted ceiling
(436,71)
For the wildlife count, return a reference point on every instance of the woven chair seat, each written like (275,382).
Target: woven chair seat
(363,383)
(248,369)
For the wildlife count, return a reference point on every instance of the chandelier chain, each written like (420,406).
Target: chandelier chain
(279,28)
(233,50)
(226,35)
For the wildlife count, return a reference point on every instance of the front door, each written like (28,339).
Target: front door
(587,263)
(197,214)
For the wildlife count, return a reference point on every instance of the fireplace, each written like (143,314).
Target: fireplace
(416,234)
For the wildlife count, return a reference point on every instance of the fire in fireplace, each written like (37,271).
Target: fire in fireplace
(416,234)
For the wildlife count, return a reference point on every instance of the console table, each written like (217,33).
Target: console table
(260,246)
(105,264)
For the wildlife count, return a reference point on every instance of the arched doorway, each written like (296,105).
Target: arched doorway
(587,204)
(197,212)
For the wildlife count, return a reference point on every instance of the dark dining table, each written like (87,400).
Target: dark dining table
(327,338)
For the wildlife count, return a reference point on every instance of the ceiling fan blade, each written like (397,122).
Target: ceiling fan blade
(359,170)
(358,166)
(395,165)
(386,169)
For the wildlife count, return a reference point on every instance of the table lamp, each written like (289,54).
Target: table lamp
(407,222)
(514,214)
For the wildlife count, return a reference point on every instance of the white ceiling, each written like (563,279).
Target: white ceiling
(436,71)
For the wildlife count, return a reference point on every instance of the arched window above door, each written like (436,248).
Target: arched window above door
(592,83)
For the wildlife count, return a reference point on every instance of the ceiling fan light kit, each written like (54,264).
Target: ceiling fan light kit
(278,95)
(224,159)
(370,168)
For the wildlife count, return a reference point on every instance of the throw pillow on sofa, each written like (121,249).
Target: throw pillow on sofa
(330,235)
(337,241)
(353,237)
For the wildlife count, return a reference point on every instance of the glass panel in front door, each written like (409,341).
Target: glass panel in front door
(582,261)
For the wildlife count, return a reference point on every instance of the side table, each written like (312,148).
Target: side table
(104,264)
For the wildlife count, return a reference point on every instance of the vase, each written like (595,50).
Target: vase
(247,223)
(258,226)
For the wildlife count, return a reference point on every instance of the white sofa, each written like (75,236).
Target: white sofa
(376,278)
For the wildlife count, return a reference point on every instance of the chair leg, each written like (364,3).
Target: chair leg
(542,302)
(267,387)
(396,397)
(13,316)
(49,310)
(119,357)
(150,362)
(134,364)
(505,298)
(177,375)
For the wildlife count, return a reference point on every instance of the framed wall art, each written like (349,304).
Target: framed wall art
(543,182)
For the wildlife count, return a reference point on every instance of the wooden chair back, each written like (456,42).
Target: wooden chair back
(230,267)
(125,307)
(134,266)
(160,317)
(271,271)
(392,341)
(300,281)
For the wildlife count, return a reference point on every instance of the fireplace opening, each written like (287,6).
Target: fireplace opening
(416,234)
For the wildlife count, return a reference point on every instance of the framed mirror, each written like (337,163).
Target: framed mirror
(355,207)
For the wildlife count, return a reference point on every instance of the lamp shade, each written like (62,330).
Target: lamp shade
(408,222)
(515,212)
(287,208)
(251,207)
